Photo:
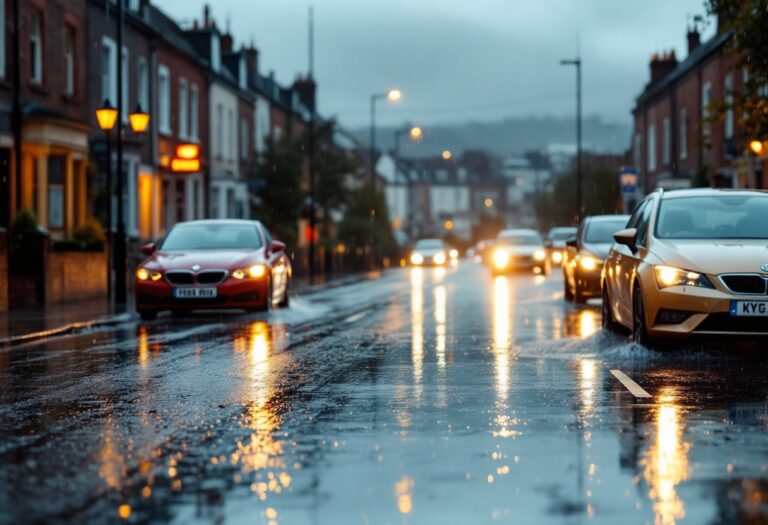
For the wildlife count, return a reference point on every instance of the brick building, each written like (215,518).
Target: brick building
(54,124)
(675,142)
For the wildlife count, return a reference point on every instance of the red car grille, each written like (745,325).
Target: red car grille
(187,278)
(180,277)
(211,276)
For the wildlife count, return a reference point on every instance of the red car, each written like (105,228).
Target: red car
(213,264)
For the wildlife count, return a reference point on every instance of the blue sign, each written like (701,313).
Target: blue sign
(628,179)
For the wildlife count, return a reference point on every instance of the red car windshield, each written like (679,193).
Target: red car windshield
(212,237)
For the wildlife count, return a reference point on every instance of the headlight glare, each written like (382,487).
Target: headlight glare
(667,276)
(539,255)
(142,274)
(417,258)
(588,263)
(439,258)
(238,274)
(557,257)
(500,258)
(454,253)
(257,270)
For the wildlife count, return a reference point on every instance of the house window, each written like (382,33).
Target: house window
(183,109)
(142,84)
(667,144)
(231,134)
(215,52)
(2,38)
(126,101)
(36,47)
(56,168)
(706,96)
(108,70)
(652,147)
(69,60)
(683,134)
(164,99)
(729,119)
(219,130)
(194,112)
(244,139)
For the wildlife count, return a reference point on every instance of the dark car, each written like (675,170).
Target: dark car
(585,254)
(213,264)
(555,242)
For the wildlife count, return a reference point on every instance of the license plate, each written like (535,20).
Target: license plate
(194,293)
(749,309)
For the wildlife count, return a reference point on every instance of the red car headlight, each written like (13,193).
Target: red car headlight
(256,271)
(142,274)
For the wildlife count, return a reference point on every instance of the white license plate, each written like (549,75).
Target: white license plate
(749,309)
(194,293)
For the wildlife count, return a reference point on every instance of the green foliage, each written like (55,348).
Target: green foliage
(748,19)
(278,179)
(600,191)
(24,223)
(366,222)
(332,167)
(488,227)
(90,232)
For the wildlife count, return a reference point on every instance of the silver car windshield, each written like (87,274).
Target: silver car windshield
(713,217)
(212,237)
(522,239)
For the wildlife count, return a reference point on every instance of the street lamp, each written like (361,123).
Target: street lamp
(106,115)
(577,63)
(757,147)
(139,120)
(393,95)
(447,155)
(415,133)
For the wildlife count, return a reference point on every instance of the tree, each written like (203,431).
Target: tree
(277,181)
(332,167)
(748,19)
(366,221)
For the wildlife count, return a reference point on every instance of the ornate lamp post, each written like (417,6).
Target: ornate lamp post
(106,115)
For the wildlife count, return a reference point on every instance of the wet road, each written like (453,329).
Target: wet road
(427,396)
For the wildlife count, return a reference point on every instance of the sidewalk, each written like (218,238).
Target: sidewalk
(23,325)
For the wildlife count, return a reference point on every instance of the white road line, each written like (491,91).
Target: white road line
(356,317)
(635,389)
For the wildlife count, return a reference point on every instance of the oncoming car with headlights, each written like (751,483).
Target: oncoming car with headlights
(690,262)
(585,253)
(555,243)
(519,250)
(429,252)
(213,264)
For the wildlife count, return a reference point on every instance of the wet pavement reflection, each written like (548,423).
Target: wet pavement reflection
(431,394)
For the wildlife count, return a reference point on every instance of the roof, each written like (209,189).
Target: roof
(711,192)
(170,31)
(691,62)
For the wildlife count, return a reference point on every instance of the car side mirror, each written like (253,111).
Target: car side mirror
(278,247)
(572,242)
(148,249)
(627,237)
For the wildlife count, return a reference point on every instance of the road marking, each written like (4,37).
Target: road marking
(635,389)
(356,317)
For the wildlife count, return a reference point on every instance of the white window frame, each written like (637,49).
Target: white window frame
(194,112)
(667,141)
(183,108)
(36,39)
(219,126)
(231,134)
(683,133)
(164,99)
(215,52)
(730,122)
(69,60)
(110,75)
(142,83)
(651,140)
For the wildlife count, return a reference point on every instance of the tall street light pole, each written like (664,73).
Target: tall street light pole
(106,115)
(415,133)
(393,95)
(312,145)
(121,291)
(577,62)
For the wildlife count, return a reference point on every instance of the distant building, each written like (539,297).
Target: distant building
(526,182)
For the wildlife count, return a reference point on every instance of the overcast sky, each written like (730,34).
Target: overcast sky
(459,60)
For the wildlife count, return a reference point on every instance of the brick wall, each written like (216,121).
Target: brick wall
(75,276)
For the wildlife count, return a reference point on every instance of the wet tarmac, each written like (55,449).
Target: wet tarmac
(426,396)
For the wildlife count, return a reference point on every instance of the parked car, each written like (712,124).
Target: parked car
(213,264)
(519,250)
(429,252)
(690,262)
(555,243)
(585,253)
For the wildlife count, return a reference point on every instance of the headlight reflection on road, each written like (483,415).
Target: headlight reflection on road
(666,462)
(502,336)
(417,328)
(440,336)
(588,386)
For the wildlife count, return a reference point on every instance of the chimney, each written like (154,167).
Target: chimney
(251,55)
(662,65)
(226,43)
(306,89)
(694,40)
(206,16)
